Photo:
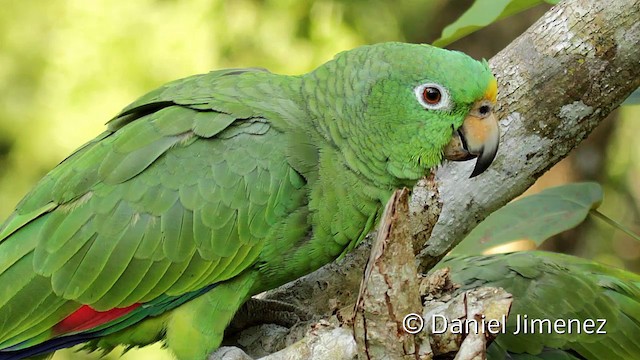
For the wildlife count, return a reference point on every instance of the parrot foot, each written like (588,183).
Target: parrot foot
(261,311)
(261,327)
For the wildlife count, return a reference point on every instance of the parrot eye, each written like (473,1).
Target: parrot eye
(432,96)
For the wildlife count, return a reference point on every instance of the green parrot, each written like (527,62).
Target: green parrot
(593,310)
(219,186)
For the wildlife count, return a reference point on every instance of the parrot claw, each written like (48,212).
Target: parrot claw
(260,311)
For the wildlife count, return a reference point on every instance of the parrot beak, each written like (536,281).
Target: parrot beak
(478,137)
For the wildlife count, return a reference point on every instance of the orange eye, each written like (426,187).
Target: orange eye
(431,95)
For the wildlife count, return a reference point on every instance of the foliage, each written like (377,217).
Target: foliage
(633,99)
(484,13)
(535,218)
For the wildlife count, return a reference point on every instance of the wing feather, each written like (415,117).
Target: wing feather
(197,268)
(61,227)
(60,278)
(177,229)
(151,239)
(152,278)
(179,193)
(131,279)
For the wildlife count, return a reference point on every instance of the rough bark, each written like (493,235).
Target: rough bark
(390,290)
(557,81)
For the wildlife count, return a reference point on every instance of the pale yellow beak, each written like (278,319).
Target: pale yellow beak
(478,137)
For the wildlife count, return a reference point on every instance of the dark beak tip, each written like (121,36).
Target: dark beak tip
(476,171)
(483,163)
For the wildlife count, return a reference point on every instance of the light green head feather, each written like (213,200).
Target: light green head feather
(368,102)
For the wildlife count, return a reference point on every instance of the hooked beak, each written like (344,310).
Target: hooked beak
(478,137)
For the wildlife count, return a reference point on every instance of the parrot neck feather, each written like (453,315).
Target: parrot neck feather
(335,96)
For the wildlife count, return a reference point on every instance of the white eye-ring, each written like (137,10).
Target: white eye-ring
(432,96)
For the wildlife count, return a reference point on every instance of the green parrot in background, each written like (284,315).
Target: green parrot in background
(216,187)
(554,286)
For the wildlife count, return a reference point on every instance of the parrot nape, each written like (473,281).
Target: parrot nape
(219,186)
(558,287)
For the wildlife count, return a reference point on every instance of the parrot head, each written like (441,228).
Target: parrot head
(401,109)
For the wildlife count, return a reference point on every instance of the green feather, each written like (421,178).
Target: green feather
(153,278)
(207,125)
(218,186)
(555,286)
(177,227)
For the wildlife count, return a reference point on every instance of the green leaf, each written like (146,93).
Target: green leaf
(633,99)
(615,224)
(535,218)
(483,13)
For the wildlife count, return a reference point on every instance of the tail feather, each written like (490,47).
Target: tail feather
(47,347)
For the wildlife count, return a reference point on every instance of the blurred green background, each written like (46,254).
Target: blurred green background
(68,66)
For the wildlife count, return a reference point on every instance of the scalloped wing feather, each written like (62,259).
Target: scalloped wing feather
(171,199)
